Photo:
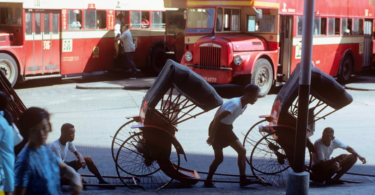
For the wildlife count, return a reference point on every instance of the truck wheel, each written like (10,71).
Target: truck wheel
(9,68)
(262,76)
(158,60)
(346,70)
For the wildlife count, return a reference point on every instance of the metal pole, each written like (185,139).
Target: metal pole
(304,86)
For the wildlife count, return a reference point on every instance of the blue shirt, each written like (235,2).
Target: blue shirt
(37,169)
(7,153)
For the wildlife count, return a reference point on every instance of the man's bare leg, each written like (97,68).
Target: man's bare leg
(219,157)
(241,151)
(93,169)
(345,165)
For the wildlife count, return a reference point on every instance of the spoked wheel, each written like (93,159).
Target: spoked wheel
(252,137)
(135,158)
(121,135)
(269,160)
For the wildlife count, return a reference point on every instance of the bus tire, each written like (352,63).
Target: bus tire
(158,60)
(9,68)
(262,76)
(346,70)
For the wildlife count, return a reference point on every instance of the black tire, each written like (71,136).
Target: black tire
(272,167)
(158,59)
(121,135)
(9,68)
(346,70)
(252,137)
(134,159)
(262,76)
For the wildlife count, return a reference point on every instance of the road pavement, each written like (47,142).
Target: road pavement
(97,114)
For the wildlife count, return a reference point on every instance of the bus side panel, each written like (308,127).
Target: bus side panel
(72,56)
(97,53)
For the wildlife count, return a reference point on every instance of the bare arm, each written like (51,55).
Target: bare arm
(214,126)
(352,151)
(80,158)
(71,174)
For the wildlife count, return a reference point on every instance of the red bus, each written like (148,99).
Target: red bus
(51,38)
(259,41)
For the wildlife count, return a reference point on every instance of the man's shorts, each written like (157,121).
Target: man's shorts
(224,136)
(74,164)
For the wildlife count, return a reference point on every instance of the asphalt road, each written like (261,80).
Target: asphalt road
(97,114)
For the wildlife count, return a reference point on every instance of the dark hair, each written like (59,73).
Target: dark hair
(126,25)
(328,130)
(30,118)
(251,89)
(66,127)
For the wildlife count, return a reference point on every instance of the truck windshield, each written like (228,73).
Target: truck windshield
(200,20)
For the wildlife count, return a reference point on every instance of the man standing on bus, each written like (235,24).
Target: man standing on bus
(324,166)
(129,48)
(221,133)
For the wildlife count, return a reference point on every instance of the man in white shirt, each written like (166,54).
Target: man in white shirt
(221,133)
(324,166)
(129,48)
(65,143)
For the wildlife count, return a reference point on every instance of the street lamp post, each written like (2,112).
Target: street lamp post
(298,179)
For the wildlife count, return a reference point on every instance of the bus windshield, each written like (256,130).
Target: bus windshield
(200,20)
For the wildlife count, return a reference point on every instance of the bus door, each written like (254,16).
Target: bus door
(367,44)
(286,45)
(42,42)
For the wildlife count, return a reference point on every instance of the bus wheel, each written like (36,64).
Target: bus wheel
(346,70)
(262,76)
(158,60)
(9,68)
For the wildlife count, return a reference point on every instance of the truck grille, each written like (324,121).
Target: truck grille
(210,57)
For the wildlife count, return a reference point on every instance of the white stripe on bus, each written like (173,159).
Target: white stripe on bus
(330,40)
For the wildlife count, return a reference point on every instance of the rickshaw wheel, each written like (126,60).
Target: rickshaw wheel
(252,137)
(268,160)
(121,135)
(134,159)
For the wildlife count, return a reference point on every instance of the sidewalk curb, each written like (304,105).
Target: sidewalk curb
(362,88)
(112,87)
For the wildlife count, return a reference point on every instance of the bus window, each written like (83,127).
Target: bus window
(74,19)
(46,23)
(299,25)
(267,23)
(231,20)
(158,20)
(101,21)
(37,23)
(252,25)
(345,28)
(55,23)
(10,16)
(139,19)
(333,26)
(337,26)
(201,18)
(323,26)
(28,23)
(360,29)
(317,26)
(219,19)
(90,19)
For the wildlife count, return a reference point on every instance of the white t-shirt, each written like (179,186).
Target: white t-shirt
(234,106)
(127,40)
(323,152)
(61,150)
(117,27)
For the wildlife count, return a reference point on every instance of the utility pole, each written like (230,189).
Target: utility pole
(298,179)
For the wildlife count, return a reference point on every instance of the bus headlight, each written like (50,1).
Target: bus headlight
(188,56)
(237,60)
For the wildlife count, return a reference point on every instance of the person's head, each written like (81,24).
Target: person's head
(251,93)
(68,132)
(125,27)
(3,100)
(34,124)
(328,134)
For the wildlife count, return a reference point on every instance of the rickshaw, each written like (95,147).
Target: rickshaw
(146,146)
(270,142)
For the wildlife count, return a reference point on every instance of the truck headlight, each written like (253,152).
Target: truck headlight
(237,60)
(188,56)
